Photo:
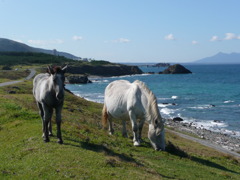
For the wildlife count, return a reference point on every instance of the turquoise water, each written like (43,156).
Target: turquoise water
(209,98)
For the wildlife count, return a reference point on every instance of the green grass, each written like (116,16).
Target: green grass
(89,152)
(11,75)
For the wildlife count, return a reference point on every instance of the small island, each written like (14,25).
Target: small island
(176,69)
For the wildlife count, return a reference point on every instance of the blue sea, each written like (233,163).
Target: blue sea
(208,98)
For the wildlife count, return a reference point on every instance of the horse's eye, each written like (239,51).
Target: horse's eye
(156,121)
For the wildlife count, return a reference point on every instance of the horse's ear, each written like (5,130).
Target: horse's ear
(64,68)
(50,70)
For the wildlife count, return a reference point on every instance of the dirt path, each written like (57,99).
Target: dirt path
(206,143)
(32,73)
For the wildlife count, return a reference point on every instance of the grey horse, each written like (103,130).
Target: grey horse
(48,90)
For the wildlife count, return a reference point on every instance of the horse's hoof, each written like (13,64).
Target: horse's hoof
(125,135)
(60,141)
(46,140)
(136,143)
(50,134)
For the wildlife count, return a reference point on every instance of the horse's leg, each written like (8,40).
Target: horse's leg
(124,129)
(41,112)
(50,125)
(58,121)
(46,118)
(140,127)
(110,129)
(134,128)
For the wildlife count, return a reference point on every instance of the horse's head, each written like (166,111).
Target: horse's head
(58,79)
(156,134)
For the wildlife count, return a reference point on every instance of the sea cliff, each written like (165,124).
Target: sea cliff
(105,70)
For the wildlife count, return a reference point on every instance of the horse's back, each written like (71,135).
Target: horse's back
(116,94)
(117,87)
(120,97)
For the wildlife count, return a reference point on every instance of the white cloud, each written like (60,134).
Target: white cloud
(77,38)
(45,42)
(194,42)
(230,36)
(215,38)
(170,37)
(121,40)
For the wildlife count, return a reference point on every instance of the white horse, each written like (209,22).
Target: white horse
(134,101)
(48,90)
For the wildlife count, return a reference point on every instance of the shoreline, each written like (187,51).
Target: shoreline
(217,138)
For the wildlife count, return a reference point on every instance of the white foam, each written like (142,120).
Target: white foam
(201,107)
(167,111)
(229,101)
(164,105)
(100,81)
(133,75)
(162,99)
(174,97)
(218,124)
(215,126)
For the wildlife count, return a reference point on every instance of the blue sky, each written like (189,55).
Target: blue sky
(125,30)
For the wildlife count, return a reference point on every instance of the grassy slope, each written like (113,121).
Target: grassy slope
(89,152)
(6,76)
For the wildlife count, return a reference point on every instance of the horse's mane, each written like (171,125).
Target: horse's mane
(153,112)
(54,70)
(57,69)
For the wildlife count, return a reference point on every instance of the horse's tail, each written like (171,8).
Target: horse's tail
(104,116)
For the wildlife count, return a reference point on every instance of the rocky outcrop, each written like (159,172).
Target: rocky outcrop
(177,119)
(176,69)
(82,79)
(105,70)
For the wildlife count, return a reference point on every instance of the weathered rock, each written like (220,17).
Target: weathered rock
(83,79)
(11,92)
(15,87)
(105,70)
(177,119)
(176,69)
(6,68)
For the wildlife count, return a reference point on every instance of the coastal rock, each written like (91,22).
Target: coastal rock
(83,79)
(176,69)
(105,70)
(177,119)
(11,92)
(6,68)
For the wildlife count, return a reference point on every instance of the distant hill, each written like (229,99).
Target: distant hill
(221,58)
(7,45)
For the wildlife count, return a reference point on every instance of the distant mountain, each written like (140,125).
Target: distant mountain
(7,45)
(221,58)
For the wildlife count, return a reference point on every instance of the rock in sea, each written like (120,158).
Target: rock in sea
(176,69)
(177,119)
